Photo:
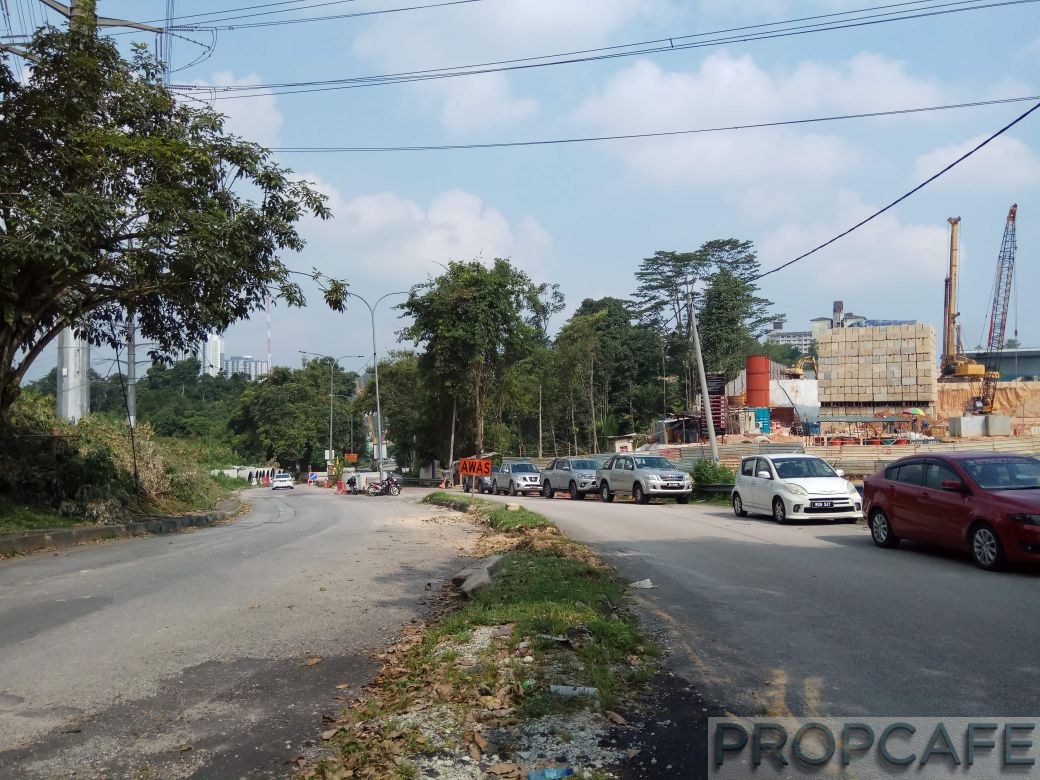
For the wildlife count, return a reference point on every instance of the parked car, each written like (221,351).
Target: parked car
(516,478)
(642,477)
(281,480)
(794,487)
(987,503)
(576,476)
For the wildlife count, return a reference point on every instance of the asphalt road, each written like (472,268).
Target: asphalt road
(813,619)
(186,655)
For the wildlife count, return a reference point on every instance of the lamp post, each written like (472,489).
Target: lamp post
(332,367)
(375,367)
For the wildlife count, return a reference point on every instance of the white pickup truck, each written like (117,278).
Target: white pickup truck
(643,477)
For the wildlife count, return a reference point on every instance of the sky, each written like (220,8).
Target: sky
(583,215)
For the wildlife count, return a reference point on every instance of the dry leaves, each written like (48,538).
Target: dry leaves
(313,661)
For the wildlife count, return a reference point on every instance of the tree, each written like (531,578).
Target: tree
(473,321)
(117,200)
(729,318)
(1012,344)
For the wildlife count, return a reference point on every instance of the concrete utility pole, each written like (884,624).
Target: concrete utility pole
(131,369)
(73,397)
(696,337)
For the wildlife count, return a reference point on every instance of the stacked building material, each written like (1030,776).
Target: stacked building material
(877,370)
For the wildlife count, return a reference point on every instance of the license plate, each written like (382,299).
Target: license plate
(822,504)
(674,485)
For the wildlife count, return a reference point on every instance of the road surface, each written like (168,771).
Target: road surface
(186,655)
(814,619)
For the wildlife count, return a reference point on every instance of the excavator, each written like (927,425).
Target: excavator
(797,371)
(955,365)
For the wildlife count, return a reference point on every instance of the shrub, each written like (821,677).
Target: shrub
(706,472)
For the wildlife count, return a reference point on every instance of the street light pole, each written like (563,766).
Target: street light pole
(332,373)
(375,368)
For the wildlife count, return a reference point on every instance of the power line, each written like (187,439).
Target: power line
(612,52)
(904,196)
(261,5)
(660,134)
(303,20)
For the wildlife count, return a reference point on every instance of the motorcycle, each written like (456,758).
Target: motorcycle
(352,487)
(389,486)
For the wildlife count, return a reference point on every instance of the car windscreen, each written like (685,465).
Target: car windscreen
(1004,473)
(795,468)
(584,465)
(654,463)
(524,468)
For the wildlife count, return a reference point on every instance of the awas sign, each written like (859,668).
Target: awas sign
(474,467)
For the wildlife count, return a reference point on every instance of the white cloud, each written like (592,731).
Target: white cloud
(256,118)
(386,236)
(887,268)
(481,103)
(728,90)
(487,32)
(1005,164)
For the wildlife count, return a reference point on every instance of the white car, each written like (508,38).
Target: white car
(282,480)
(794,487)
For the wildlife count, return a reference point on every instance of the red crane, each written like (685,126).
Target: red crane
(999,312)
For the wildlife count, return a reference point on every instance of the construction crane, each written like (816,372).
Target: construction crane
(999,312)
(955,365)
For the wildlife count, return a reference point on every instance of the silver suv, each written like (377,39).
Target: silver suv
(643,476)
(516,478)
(576,476)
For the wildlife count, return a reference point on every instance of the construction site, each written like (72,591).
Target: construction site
(872,391)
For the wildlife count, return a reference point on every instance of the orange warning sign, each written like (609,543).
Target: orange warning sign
(474,467)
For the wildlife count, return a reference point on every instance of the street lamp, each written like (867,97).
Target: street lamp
(332,366)
(375,368)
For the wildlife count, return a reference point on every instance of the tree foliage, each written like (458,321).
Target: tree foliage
(114,198)
(473,322)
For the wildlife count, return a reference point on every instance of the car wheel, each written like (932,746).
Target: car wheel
(779,510)
(512,488)
(738,506)
(575,495)
(605,493)
(547,490)
(639,495)
(881,530)
(986,549)
(682,499)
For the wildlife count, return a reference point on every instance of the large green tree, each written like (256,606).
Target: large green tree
(116,199)
(473,322)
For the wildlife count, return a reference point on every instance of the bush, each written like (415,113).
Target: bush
(85,470)
(706,472)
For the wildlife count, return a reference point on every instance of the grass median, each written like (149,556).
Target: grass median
(467,683)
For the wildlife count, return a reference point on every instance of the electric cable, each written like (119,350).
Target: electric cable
(904,196)
(658,134)
(605,53)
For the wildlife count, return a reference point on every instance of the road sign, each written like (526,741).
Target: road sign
(474,467)
(313,477)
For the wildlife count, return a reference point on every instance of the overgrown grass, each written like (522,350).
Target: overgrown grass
(497,515)
(570,625)
(17,517)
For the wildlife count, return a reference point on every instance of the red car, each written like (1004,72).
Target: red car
(987,503)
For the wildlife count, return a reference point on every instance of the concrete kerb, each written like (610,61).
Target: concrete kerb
(477,575)
(30,541)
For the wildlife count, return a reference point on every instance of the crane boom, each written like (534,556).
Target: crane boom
(999,311)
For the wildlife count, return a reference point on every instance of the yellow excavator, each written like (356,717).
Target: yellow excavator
(955,365)
(797,371)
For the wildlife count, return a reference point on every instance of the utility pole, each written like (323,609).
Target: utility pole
(131,369)
(451,446)
(695,336)
(72,399)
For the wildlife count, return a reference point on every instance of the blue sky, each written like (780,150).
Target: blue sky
(584,215)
